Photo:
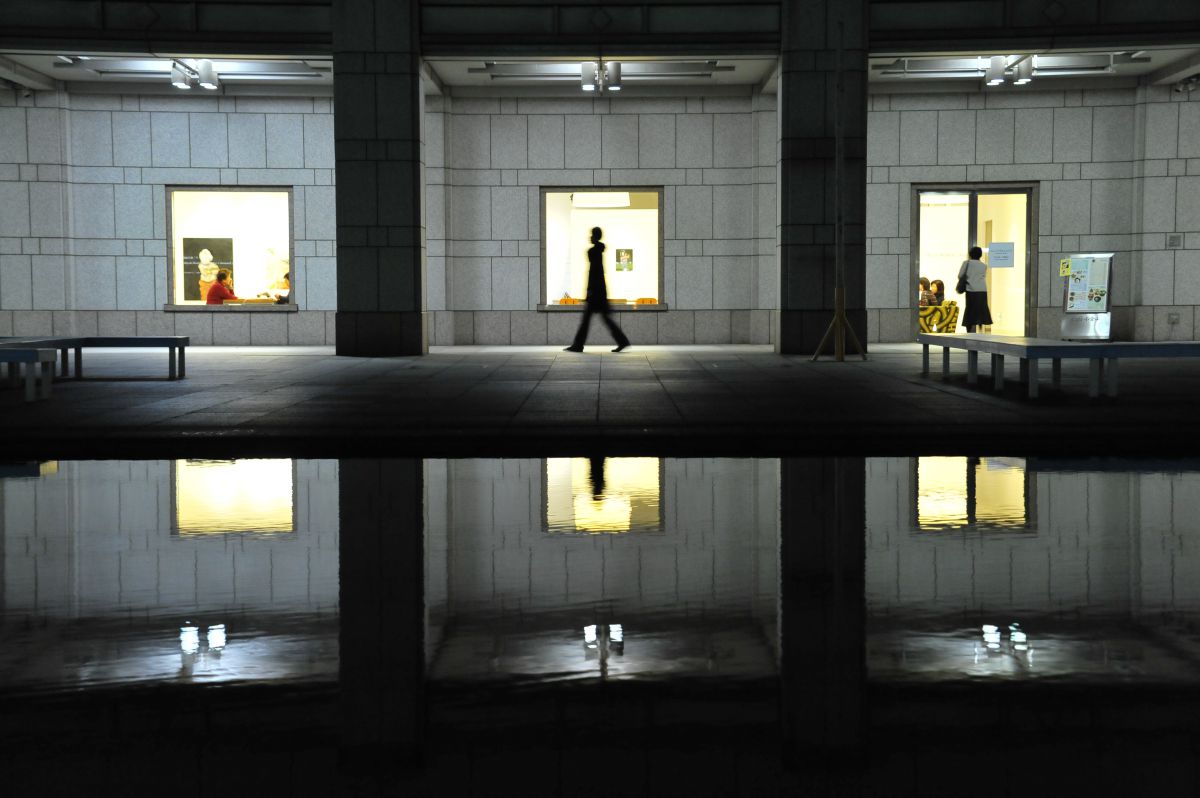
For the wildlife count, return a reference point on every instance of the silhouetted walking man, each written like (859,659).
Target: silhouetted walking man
(597,298)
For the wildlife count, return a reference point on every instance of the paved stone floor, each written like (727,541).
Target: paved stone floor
(489,400)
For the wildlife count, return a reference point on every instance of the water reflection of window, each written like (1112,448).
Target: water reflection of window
(601,495)
(223,496)
(980,492)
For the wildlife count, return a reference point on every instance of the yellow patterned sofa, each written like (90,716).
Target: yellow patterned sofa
(941,318)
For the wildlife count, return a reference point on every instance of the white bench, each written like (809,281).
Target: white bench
(37,361)
(176,346)
(1102,356)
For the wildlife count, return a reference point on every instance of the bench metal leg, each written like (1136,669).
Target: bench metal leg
(66,366)
(1056,372)
(1110,377)
(1094,377)
(945,361)
(1024,370)
(171,362)
(972,367)
(79,362)
(924,360)
(182,362)
(47,369)
(1031,374)
(30,375)
(998,372)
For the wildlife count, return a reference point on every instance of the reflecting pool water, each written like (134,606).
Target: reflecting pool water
(1042,570)
(586,570)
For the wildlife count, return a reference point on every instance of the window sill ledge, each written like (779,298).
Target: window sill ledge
(662,306)
(253,308)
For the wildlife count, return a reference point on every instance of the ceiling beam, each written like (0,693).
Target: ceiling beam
(1175,71)
(24,76)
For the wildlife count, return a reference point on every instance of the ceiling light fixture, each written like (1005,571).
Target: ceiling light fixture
(995,71)
(588,76)
(612,76)
(1025,71)
(207,76)
(179,78)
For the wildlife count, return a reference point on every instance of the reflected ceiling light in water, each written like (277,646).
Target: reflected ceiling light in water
(189,639)
(603,495)
(220,496)
(216,637)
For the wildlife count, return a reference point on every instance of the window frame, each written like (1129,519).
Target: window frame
(543,303)
(289,307)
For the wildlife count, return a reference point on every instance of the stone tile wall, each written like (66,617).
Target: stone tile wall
(94,541)
(1102,543)
(83,241)
(1116,170)
(486,160)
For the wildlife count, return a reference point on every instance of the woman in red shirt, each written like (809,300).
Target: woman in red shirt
(222,289)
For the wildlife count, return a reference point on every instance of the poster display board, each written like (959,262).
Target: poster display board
(1088,283)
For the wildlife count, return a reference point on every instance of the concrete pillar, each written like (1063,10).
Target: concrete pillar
(382,638)
(377,132)
(808,100)
(822,604)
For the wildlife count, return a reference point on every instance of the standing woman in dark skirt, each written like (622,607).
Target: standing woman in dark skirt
(972,279)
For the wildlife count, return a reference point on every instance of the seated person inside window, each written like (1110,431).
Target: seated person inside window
(938,289)
(222,289)
(280,289)
(924,295)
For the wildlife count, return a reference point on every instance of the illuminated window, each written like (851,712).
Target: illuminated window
(214,497)
(246,233)
(604,495)
(981,492)
(630,219)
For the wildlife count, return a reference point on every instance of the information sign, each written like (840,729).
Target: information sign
(1001,255)
(1088,283)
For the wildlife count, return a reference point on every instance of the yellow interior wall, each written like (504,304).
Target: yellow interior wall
(1006,287)
(944,240)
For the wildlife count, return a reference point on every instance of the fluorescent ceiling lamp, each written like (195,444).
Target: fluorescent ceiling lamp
(1024,71)
(995,72)
(179,78)
(600,199)
(208,75)
(612,76)
(587,76)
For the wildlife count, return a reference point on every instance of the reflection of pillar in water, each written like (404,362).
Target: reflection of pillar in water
(596,464)
(381,550)
(822,602)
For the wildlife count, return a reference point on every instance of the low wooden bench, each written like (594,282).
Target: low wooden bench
(1102,356)
(176,346)
(37,361)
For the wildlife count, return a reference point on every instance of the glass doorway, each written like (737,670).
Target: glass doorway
(950,222)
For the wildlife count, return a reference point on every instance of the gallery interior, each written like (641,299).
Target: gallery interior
(391,186)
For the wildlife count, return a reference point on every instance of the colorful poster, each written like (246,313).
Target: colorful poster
(1064,267)
(202,259)
(1087,284)
(624,260)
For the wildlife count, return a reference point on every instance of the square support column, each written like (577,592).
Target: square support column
(378,119)
(381,548)
(822,623)
(817,100)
